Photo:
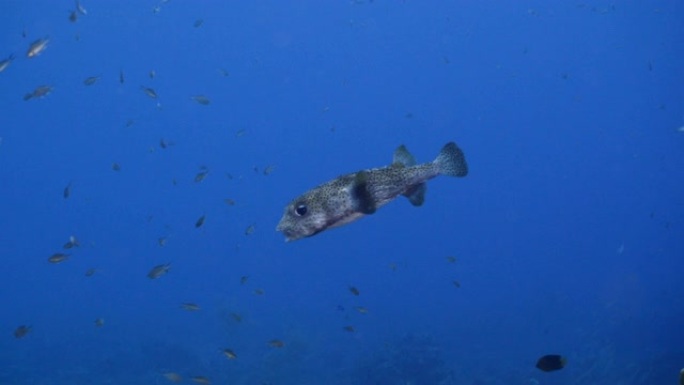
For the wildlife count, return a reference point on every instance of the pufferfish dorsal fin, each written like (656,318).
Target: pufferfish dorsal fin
(403,158)
(361,196)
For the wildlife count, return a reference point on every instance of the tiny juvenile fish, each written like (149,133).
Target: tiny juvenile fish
(361,309)
(158,271)
(201,380)
(66,193)
(189,306)
(229,354)
(73,242)
(201,175)
(6,62)
(200,221)
(58,258)
(21,331)
(201,99)
(37,47)
(149,92)
(352,196)
(551,362)
(80,8)
(173,377)
(39,92)
(89,81)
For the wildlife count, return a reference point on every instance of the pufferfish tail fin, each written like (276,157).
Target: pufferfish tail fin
(451,161)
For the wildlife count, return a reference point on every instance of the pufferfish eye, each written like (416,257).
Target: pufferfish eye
(300,210)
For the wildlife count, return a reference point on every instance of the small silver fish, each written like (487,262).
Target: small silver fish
(158,271)
(6,62)
(80,8)
(149,92)
(37,47)
(201,99)
(351,196)
(39,92)
(89,81)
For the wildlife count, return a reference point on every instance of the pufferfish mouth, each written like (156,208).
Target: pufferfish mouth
(289,236)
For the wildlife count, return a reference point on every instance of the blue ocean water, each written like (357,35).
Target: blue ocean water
(566,237)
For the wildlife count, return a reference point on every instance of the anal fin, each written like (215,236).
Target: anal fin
(416,194)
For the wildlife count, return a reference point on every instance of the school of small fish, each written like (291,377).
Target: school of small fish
(338,202)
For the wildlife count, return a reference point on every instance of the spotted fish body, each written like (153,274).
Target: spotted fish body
(352,196)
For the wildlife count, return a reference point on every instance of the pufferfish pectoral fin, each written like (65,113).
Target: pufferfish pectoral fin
(361,196)
(416,194)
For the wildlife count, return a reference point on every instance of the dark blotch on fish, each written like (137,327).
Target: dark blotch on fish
(352,196)
(551,362)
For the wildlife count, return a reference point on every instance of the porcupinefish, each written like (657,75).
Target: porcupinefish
(352,196)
